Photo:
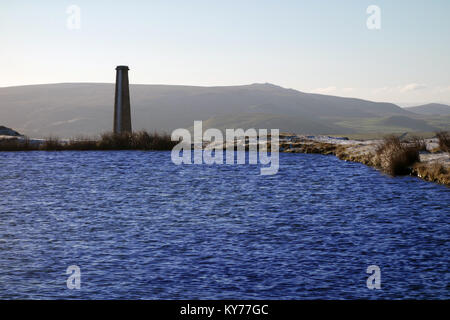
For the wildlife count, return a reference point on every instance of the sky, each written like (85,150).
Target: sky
(313,46)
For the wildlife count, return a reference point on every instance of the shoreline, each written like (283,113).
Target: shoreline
(433,165)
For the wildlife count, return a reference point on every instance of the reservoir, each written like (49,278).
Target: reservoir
(139,226)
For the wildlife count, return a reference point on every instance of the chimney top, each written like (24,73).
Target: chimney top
(122,68)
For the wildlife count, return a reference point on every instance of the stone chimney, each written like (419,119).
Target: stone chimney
(122,113)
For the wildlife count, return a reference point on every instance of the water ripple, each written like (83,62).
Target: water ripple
(140,227)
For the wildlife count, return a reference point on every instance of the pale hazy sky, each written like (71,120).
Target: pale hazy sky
(311,46)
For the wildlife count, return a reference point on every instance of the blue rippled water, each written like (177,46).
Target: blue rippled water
(139,226)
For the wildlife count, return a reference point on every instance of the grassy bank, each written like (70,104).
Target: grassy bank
(141,140)
(391,155)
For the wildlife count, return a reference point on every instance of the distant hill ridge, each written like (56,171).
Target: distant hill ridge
(75,109)
(4,131)
(431,109)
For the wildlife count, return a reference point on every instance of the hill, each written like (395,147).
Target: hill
(407,123)
(74,109)
(4,131)
(284,123)
(431,109)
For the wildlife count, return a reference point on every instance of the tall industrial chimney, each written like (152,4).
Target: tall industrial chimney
(122,114)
